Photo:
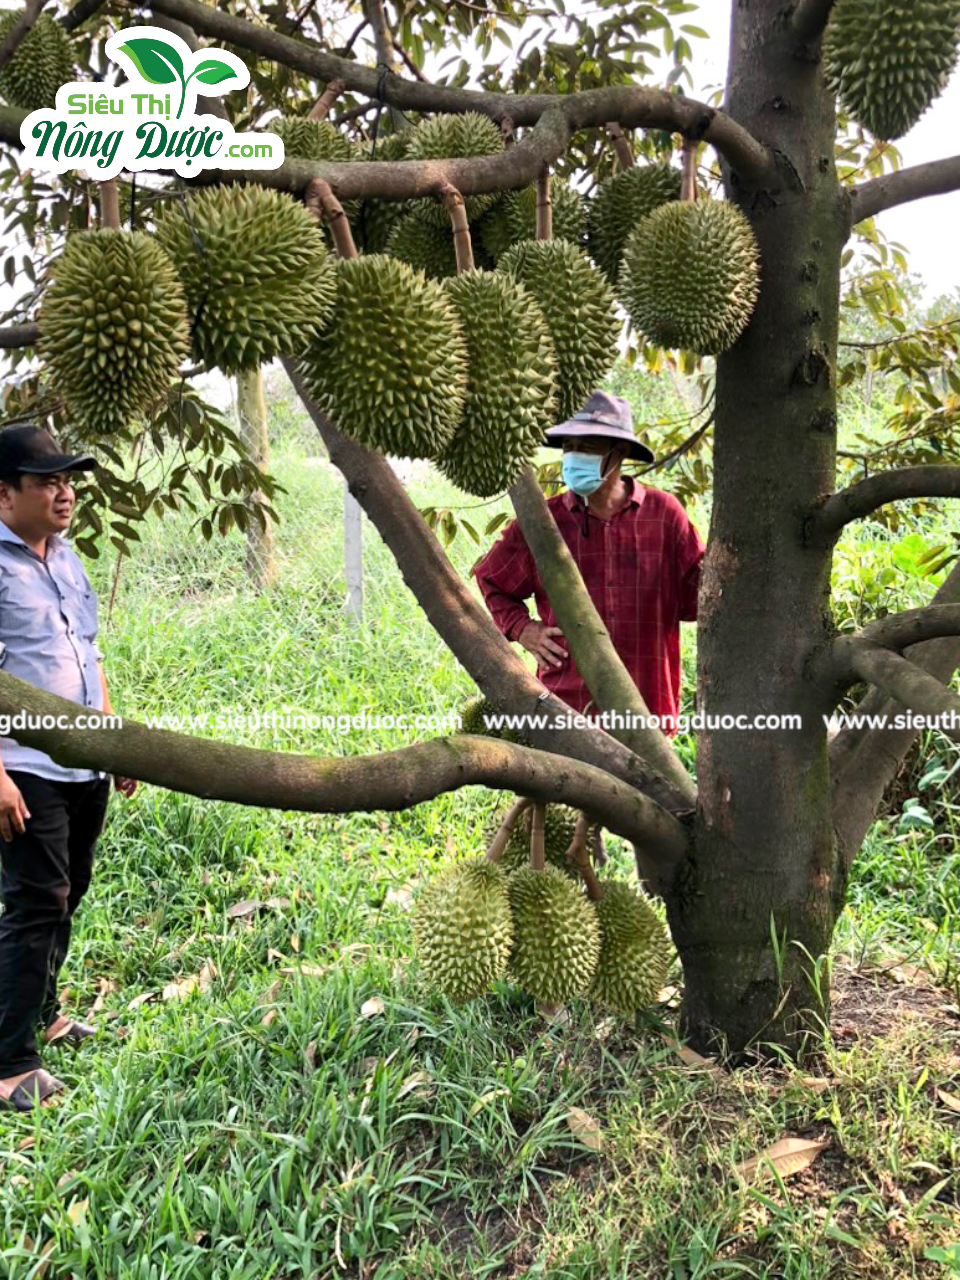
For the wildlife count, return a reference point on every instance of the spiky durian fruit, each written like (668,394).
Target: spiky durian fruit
(511,382)
(454,137)
(312,139)
(392,370)
(424,245)
(113,326)
(634,951)
(579,308)
(559,825)
(619,205)
(888,59)
(472,720)
(514,218)
(42,62)
(463,929)
(556,935)
(691,275)
(376,218)
(258,278)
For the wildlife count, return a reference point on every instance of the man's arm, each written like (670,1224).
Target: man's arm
(688,563)
(507,577)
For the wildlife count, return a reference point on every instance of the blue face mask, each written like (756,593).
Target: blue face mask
(583,472)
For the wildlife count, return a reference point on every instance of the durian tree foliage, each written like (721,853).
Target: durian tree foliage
(762,843)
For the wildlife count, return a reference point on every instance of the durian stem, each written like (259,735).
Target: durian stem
(322,203)
(538,853)
(109,205)
(321,108)
(19,30)
(579,852)
(688,187)
(462,244)
(504,831)
(544,206)
(621,145)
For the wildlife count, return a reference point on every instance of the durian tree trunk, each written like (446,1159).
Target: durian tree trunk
(261,558)
(763,860)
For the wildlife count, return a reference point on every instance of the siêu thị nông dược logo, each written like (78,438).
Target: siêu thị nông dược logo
(150,121)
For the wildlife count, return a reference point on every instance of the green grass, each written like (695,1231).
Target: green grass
(277,1124)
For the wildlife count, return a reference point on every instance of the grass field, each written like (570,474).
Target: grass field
(275,1093)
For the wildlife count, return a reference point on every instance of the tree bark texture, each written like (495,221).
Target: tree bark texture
(252,413)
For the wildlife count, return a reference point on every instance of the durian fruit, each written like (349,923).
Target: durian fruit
(634,952)
(424,246)
(312,139)
(579,308)
(376,218)
(556,935)
(691,275)
(258,277)
(42,62)
(463,929)
(113,326)
(514,218)
(392,370)
(887,60)
(472,720)
(559,825)
(619,204)
(454,137)
(511,382)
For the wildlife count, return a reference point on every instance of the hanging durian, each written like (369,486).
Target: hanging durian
(634,951)
(454,137)
(40,65)
(511,382)
(559,827)
(463,929)
(514,218)
(424,246)
(691,275)
(312,139)
(392,370)
(258,277)
(887,60)
(376,218)
(620,203)
(113,326)
(579,308)
(556,935)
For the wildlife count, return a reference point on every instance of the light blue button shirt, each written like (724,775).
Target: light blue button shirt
(48,637)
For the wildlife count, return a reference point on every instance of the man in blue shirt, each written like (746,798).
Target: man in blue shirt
(50,816)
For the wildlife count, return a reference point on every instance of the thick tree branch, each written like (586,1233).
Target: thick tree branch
(867,496)
(20,29)
(915,183)
(80,13)
(389,780)
(610,683)
(462,622)
(900,630)
(19,335)
(898,678)
(810,18)
(628,106)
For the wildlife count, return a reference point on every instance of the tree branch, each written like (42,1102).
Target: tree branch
(390,780)
(20,30)
(898,678)
(810,18)
(461,621)
(627,105)
(900,630)
(867,496)
(621,145)
(19,335)
(610,683)
(916,183)
(80,13)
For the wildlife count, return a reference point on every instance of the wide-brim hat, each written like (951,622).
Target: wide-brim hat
(605,417)
(26,449)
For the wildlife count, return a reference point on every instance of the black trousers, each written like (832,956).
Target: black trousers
(43,875)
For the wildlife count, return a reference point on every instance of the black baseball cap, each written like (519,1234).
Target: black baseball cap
(31,450)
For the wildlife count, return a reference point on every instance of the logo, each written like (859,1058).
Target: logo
(150,122)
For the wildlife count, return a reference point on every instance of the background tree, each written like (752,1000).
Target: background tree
(753,859)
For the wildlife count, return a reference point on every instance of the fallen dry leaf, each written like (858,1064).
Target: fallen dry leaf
(949,1100)
(26,1144)
(604,1028)
(65,1179)
(308,970)
(370,1008)
(78,1210)
(910,975)
(788,1156)
(145,998)
(107,988)
(487,1098)
(269,1018)
(355,950)
(696,1061)
(280,904)
(816,1084)
(310,1056)
(668,995)
(585,1128)
(402,897)
(415,1082)
(44,1266)
(557,1014)
(295,943)
(184,987)
(272,991)
(244,910)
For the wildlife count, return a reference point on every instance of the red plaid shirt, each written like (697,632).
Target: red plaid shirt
(642,570)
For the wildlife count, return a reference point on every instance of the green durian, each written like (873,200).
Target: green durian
(424,246)
(463,929)
(691,276)
(620,203)
(556,935)
(634,950)
(392,369)
(511,382)
(376,218)
(887,60)
(41,63)
(579,308)
(514,218)
(454,137)
(472,720)
(559,826)
(258,277)
(113,326)
(312,139)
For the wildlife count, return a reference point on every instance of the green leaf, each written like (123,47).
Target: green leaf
(157,61)
(213,72)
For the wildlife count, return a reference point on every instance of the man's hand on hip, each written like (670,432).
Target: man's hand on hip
(126,786)
(538,640)
(13,809)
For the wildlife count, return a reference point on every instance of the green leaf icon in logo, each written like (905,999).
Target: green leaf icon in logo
(213,72)
(157,61)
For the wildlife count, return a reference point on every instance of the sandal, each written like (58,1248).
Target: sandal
(73,1034)
(32,1091)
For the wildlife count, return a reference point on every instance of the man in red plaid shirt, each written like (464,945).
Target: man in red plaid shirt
(637,552)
